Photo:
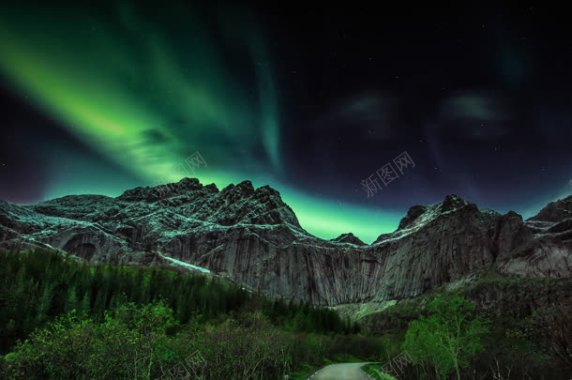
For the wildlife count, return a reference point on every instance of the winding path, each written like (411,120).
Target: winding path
(342,371)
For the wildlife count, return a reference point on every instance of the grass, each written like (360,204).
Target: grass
(374,370)
(304,373)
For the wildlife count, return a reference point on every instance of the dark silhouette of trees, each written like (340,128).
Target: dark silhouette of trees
(38,286)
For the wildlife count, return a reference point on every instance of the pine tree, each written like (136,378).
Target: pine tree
(84,310)
(71,300)
(44,305)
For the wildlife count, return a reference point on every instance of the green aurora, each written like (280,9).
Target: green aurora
(148,94)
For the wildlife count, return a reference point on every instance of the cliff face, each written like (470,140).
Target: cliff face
(252,237)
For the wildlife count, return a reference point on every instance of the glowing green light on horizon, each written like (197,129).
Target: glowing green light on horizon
(147,103)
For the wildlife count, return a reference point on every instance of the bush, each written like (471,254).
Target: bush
(129,343)
(144,342)
(448,339)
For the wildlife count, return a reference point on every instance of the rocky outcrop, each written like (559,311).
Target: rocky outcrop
(348,238)
(442,244)
(540,246)
(252,237)
(556,211)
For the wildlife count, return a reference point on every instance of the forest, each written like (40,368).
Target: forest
(61,318)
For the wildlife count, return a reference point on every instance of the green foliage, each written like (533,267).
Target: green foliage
(144,342)
(374,370)
(448,339)
(36,287)
(109,322)
(529,338)
(129,343)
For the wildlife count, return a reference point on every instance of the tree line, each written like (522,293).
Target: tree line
(38,286)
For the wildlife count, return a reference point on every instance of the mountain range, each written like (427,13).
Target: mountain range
(250,236)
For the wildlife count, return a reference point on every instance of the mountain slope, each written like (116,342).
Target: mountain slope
(251,236)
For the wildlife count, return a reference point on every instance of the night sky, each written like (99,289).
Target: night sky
(312,100)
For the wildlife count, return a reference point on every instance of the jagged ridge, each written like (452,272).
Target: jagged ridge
(251,236)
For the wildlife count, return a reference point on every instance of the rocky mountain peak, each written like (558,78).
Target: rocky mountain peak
(263,205)
(244,186)
(348,238)
(453,202)
(412,214)
(189,184)
(251,236)
(556,211)
(242,190)
(419,214)
(160,192)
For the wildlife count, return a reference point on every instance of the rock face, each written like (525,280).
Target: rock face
(556,211)
(252,237)
(348,238)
